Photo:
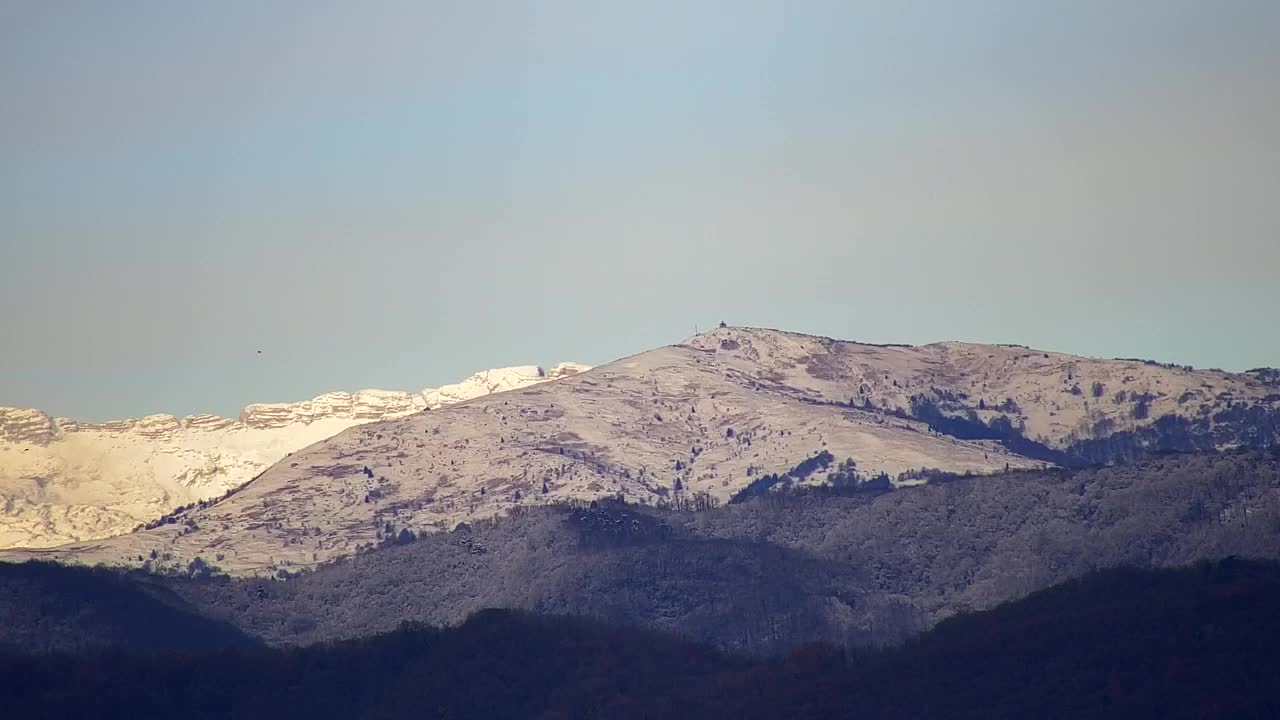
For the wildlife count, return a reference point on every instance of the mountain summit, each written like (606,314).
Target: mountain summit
(702,420)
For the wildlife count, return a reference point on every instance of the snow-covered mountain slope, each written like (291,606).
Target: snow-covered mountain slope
(707,416)
(1083,410)
(63,481)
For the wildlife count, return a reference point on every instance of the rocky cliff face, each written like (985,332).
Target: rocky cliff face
(62,480)
(370,405)
(25,425)
(366,405)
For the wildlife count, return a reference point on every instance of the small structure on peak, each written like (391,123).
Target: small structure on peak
(723,324)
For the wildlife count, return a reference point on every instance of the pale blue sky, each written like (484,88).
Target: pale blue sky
(387,194)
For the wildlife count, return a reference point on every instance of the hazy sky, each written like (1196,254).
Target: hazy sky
(393,195)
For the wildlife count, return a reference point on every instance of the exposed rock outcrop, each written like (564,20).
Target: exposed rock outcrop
(484,383)
(207,422)
(25,425)
(158,426)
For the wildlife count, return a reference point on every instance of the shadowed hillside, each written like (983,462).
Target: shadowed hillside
(1189,643)
(852,567)
(50,608)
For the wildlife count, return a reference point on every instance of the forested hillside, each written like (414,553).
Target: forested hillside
(1189,643)
(770,573)
(853,567)
(48,608)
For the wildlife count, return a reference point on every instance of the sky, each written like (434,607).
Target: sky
(397,194)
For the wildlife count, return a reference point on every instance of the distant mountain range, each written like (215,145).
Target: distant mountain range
(724,415)
(62,480)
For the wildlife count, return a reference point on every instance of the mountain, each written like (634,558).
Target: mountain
(730,410)
(853,566)
(768,574)
(1187,643)
(62,480)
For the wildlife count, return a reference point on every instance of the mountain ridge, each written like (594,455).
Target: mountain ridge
(63,480)
(705,418)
